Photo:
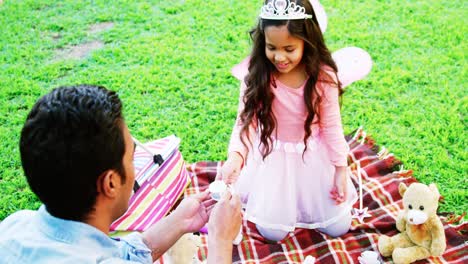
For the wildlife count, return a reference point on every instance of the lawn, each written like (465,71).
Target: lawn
(170,62)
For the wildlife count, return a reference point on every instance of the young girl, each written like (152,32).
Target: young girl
(287,154)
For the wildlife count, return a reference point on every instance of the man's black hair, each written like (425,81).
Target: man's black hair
(71,136)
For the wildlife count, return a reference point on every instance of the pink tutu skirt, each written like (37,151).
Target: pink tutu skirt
(288,190)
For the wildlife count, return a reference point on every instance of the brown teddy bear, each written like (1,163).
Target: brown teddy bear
(422,233)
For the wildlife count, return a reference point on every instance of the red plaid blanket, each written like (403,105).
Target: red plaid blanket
(381,174)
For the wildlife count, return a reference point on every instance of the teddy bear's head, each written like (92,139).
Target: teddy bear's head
(184,251)
(420,201)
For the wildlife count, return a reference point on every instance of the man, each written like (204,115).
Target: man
(77,153)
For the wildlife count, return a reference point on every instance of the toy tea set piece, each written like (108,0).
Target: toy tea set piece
(217,190)
(309,260)
(369,257)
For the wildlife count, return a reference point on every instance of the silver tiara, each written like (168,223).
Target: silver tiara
(283,10)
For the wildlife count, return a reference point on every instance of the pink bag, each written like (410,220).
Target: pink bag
(158,187)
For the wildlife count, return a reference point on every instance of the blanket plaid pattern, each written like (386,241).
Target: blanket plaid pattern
(381,174)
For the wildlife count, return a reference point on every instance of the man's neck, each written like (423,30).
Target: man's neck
(99,220)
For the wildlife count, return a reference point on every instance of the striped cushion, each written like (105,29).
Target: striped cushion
(159,192)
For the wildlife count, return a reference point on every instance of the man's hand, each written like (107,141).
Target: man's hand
(223,227)
(225,219)
(193,211)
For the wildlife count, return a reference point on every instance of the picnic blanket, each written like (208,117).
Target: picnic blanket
(381,174)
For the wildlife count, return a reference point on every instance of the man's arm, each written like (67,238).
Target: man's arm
(162,235)
(223,227)
(190,216)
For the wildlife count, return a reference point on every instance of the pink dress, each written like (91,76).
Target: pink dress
(287,190)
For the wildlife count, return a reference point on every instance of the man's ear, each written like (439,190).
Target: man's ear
(107,183)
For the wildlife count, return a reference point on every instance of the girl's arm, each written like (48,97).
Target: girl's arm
(237,152)
(331,129)
(235,144)
(339,190)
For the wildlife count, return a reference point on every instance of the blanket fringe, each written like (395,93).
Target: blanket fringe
(452,218)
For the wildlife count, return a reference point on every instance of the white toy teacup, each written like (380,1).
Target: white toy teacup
(217,189)
(369,257)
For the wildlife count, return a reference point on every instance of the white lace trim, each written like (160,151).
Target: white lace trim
(346,210)
(291,147)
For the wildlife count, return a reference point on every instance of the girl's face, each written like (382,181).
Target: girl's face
(282,49)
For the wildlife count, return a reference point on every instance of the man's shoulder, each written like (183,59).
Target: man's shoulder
(20,214)
(15,220)
(25,237)
(12,227)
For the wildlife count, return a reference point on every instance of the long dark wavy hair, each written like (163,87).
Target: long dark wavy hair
(258,96)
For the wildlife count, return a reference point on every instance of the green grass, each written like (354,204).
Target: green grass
(170,62)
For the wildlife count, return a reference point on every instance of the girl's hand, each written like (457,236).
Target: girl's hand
(339,190)
(231,168)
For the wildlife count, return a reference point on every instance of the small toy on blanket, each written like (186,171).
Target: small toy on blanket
(309,260)
(184,251)
(369,257)
(422,233)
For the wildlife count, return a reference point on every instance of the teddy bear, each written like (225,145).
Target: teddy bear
(184,251)
(422,233)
